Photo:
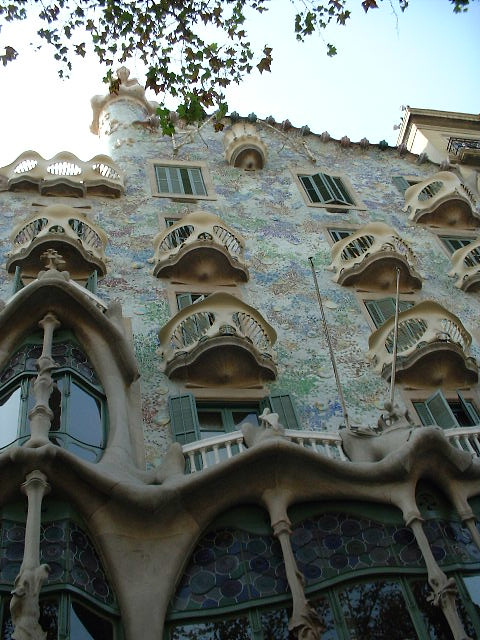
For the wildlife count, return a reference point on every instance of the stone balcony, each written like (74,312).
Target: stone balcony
(442,201)
(432,348)
(63,175)
(369,258)
(63,229)
(200,248)
(218,342)
(466,266)
(244,148)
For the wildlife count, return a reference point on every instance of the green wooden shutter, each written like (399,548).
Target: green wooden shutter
(282,404)
(424,414)
(184,418)
(196,179)
(401,183)
(92,282)
(441,412)
(382,310)
(309,187)
(340,193)
(469,408)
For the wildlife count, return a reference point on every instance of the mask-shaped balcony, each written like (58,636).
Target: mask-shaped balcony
(466,266)
(442,201)
(369,259)
(218,342)
(200,248)
(432,348)
(63,175)
(244,148)
(65,230)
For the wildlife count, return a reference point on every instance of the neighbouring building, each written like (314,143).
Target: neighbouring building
(176,459)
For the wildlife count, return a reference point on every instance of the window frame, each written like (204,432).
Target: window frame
(468,402)
(364,297)
(306,172)
(24,380)
(181,164)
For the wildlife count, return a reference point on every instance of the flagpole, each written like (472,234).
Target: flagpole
(330,348)
(395,339)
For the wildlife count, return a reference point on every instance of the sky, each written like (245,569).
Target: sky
(427,57)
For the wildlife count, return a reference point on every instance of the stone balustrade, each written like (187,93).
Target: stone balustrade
(200,247)
(369,258)
(442,201)
(466,266)
(209,452)
(64,174)
(432,347)
(219,340)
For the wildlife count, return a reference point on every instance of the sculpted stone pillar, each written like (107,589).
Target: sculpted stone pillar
(41,415)
(304,620)
(444,589)
(24,605)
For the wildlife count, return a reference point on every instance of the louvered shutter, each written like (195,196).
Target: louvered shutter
(184,419)
(92,282)
(441,412)
(469,408)
(401,183)
(282,404)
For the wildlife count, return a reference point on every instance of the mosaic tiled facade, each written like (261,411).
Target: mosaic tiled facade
(186,432)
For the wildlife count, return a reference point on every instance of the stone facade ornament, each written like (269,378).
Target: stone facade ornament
(270,427)
(345,142)
(444,589)
(364,143)
(24,606)
(304,621)
(325,136)
(41,415)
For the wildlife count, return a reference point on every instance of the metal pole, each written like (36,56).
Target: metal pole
(330,348)
(395,339)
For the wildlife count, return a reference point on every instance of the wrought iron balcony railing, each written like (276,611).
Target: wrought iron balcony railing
(432,347)
(442,201)
(465,150)
(64,174)
(220,340)
(466,266)
(369,258)
(200,247)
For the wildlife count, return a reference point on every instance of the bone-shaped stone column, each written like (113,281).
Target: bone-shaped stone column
(41,415)
(24,606)
(304,620)
(444,589)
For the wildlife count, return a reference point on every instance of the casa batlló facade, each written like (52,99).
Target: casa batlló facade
(195,445)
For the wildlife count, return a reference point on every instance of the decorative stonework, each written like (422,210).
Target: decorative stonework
(442,201)
(63,175)
(24,606)
(200,248)
(432,348)
(127,90)
(80,241)
(219,341)
(369,258)
(244,148)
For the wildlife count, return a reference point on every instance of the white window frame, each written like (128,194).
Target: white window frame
(328,181)
(175,181)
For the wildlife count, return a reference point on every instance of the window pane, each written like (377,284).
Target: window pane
(376,610)
(211,423)
(9,416)
(238,629)
(86,625)
(275,625)
(241,417)
(85,417)
(433,616)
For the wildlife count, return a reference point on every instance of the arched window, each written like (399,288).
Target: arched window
(76,602)
(77,400)
(364,575)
